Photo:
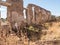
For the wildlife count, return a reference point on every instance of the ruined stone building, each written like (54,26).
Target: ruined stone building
(15,16)
(34,14)
(14,11)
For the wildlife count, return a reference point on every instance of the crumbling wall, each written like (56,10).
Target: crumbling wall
(34,13)
(15,12)
(37,15)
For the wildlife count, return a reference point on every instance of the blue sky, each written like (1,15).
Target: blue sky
(52,5)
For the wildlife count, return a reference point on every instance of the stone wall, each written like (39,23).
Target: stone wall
(37,15)
(34,14)
(15,12)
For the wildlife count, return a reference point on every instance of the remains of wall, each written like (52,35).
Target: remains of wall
(37,15)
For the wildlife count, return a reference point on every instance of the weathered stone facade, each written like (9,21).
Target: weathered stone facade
(34,13)
(14,11)
(37,15)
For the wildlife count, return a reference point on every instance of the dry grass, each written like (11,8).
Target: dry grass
(52,33)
